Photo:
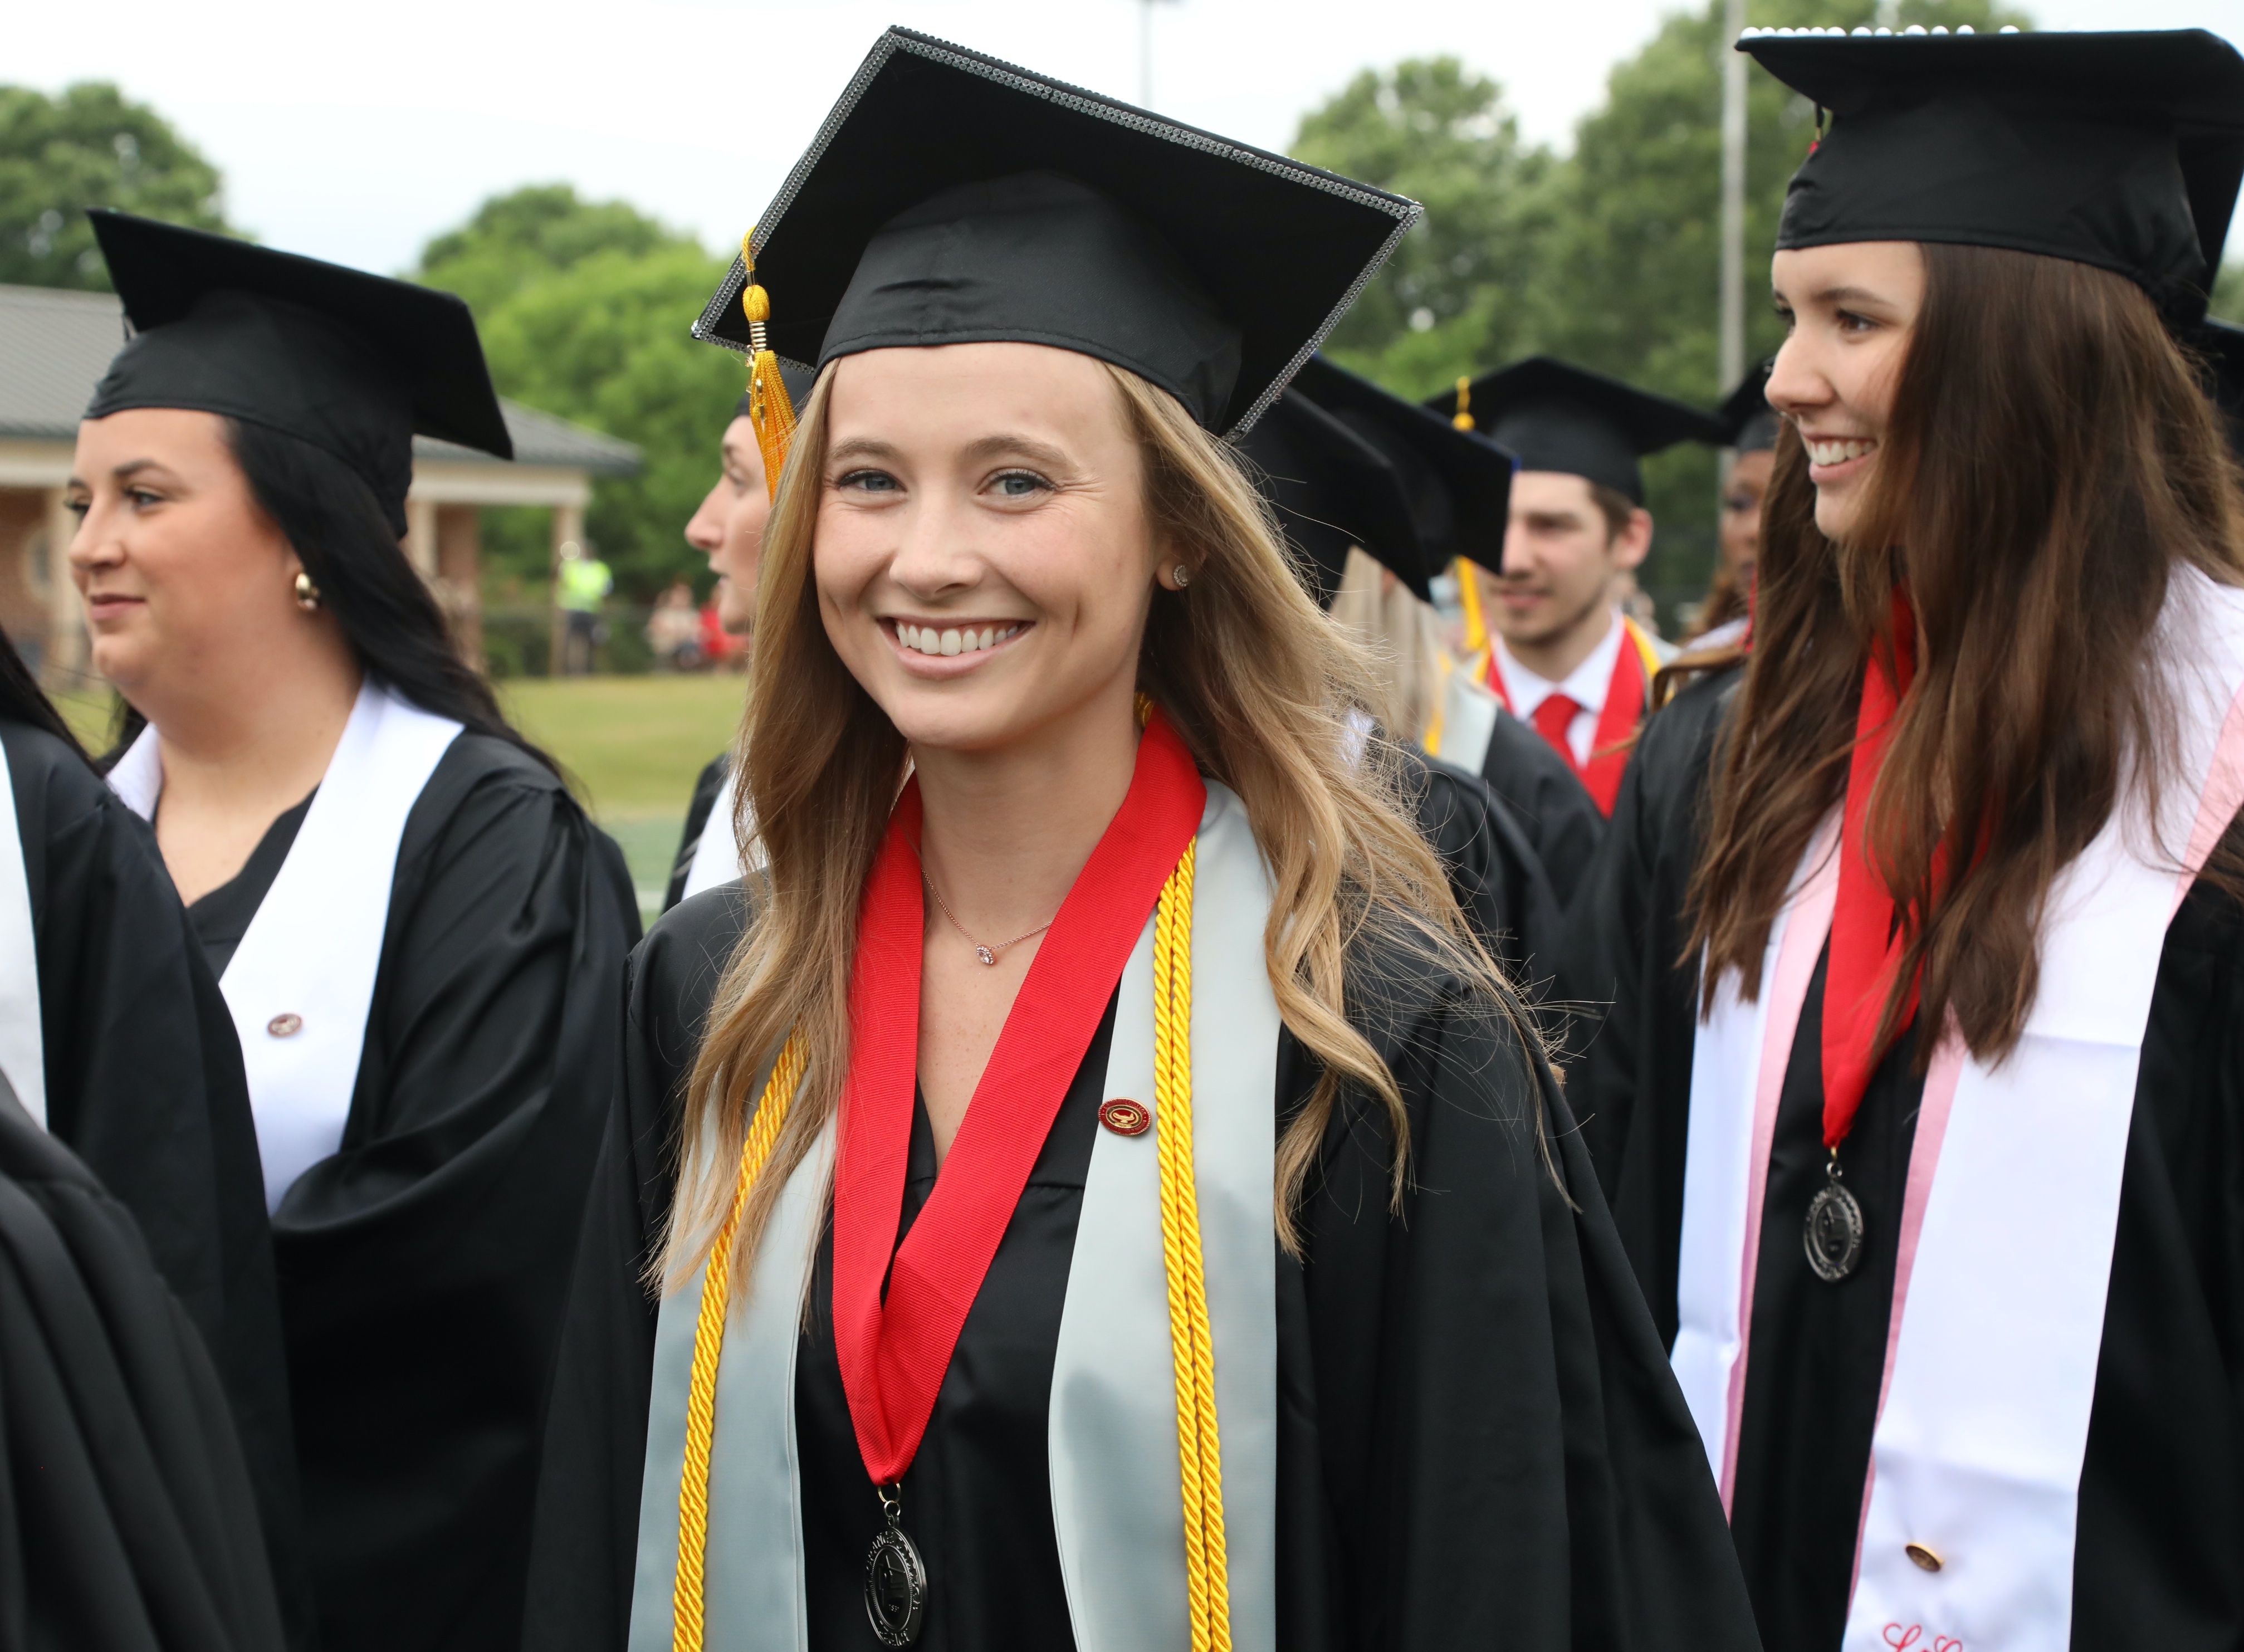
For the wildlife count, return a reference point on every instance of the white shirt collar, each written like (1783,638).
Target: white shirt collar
(1585,685)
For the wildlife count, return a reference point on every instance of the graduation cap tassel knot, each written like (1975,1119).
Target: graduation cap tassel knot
(769,409)
(1463,417)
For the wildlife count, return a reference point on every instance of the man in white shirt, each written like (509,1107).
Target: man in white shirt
(1561,656)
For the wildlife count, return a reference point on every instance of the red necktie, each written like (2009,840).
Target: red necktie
(1553,719)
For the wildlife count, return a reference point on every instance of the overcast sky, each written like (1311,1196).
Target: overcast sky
(353,132)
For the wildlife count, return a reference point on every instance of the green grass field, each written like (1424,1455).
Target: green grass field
(631,746)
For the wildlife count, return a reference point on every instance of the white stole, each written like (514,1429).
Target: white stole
(1470,709)
(22,1040)
(716,856)
(2012,1204)
(301,982)
(1117,1510)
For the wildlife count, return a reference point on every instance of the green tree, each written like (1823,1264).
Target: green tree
(89,147)
(585,308)
(530,234)
(1461,287)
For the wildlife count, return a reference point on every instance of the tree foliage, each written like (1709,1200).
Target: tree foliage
(89,147)
(585,308)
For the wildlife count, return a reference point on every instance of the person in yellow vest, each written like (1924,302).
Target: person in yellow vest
(586,584)
(1545,642)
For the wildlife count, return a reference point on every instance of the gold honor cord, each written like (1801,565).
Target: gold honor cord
(769,410)
(1200,1448)
(687,1611)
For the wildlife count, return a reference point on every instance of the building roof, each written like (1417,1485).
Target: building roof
(55,345)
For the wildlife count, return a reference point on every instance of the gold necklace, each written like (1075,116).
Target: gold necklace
(987,954)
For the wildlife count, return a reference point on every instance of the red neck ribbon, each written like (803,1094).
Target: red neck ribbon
(1624,708)
(894,1352)
(1866,940)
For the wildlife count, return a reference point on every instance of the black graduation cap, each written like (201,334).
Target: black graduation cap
(2122,150)
(1749,424)
(1332,489)
(352,363)
(1458,481)
(951,198)
(1557,417)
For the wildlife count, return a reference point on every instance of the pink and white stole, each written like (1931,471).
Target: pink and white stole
(1966,1543)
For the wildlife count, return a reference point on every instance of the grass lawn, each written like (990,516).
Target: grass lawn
(632,747)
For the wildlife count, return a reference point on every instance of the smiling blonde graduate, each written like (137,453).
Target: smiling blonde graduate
(1092,1188)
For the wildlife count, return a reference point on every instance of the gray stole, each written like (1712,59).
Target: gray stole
(1117,1511)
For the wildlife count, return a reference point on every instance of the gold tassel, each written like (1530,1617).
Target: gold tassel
(769,410)
(1463,417)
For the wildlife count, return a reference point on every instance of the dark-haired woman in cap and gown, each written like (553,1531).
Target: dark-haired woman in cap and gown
(114,1039)
(417,932)
(1091,1186)
(1920,1106)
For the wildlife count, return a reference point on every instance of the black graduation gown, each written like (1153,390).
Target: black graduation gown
(707,785)
(127,1521)
(2160,1557)
(1556,811)
(144,1085)
(1479,1440)
(424,1266)
(1494,871)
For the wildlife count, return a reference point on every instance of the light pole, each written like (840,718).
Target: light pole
(1145,50)
(1731,345)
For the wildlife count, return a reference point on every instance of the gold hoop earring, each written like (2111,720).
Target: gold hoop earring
(307,594)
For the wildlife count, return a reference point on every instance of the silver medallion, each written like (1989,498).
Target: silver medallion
(895,1582)
(1833,1234)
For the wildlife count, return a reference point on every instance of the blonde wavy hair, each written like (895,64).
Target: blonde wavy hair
(1267,693)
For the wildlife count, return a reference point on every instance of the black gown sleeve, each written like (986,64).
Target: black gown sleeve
(1494,871)
(144,1085)
(1504,1456)
(1560,816)
(424,1266)
(1631,991)
(586,1525)
(707,785)
(128,1521)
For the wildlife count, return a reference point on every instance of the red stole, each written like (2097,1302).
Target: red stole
(894,1348)
(1626,691)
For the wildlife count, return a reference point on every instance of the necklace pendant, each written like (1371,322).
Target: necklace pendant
(1833,1233)
(895,1580)
(984,953)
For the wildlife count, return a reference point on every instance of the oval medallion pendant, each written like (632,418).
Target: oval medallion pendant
(896,1586)
(1833,1234)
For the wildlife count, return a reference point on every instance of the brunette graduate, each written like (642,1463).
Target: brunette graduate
(417,933)
(1349,466)
(1750,427)
(728,529)
(128,1521)
(1549,650)
(1090,1189)
(1920,1097)
(114,1038)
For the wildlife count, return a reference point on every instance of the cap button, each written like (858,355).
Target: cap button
(1124,1117)
(286,1025)
(1927,1559)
